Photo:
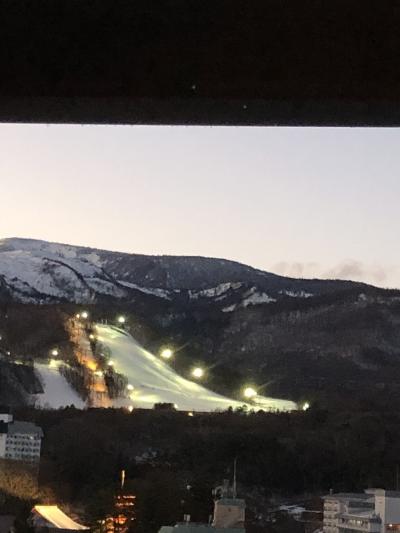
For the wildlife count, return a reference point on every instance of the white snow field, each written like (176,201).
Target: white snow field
(57,391)
(154,381)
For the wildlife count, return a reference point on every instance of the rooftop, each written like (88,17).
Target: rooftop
(368,494)
(198,528)
(24,428)
(56,517)
(349,496)
(232,501)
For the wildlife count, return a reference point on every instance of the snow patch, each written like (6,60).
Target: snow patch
(229,308)
(255,297)
(213,292)
(161,293)
(297,294)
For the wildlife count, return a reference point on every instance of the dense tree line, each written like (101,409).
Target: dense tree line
(165,452)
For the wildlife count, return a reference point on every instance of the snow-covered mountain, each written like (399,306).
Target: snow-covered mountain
(33,271)
(40,272)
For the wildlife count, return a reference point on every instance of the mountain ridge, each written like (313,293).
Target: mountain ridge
(91,271)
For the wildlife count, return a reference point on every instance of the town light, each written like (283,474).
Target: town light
(198,372)
(78,316)
(249,392)
(121,319)
(54,352)
(130,408)
(92,337)
(306,406)
(167,353)
(85,315)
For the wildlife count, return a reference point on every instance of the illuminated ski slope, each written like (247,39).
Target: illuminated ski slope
(154,381)
(57,392)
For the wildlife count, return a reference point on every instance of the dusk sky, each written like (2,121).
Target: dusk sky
(301,202)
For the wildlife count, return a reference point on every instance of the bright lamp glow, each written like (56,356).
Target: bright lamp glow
(54,352)
(130,387)
(167,353)
(198,372)
(85,314)
(249,392)
(121,319)
(306,406)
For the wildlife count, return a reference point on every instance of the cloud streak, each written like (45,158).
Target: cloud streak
(375,274)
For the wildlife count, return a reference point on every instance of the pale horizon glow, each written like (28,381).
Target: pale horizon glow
(302,202)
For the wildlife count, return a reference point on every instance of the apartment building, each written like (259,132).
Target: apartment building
(19,441)
(374,511)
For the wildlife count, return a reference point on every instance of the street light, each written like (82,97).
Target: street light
(121,320)
(249,392)
(54,352)
(167,353)
(92,337)
(306,406)
(85,315)
(198,372)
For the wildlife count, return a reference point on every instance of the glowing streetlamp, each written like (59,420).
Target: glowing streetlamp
(167,353)
(54,352)
(78,316)
(85,315)
(130,408)
(250,393)
(198,373)
(92,337)
(306,406)
(121,320)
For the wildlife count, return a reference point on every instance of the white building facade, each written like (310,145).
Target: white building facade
(374,511)
(19,441)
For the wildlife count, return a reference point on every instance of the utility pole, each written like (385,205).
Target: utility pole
(234,478)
